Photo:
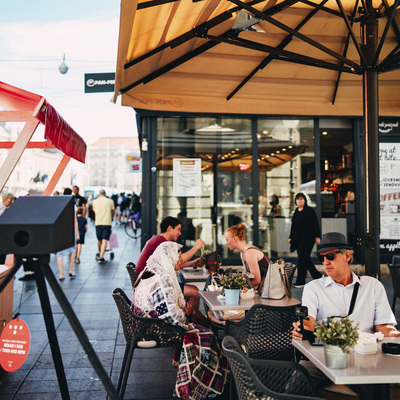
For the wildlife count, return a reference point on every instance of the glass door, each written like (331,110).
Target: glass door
(216,157)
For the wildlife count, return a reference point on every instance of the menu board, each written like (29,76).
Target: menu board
(389,162)
(187,177)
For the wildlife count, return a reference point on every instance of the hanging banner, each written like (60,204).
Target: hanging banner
(187,177)
(15,341)
(389,162)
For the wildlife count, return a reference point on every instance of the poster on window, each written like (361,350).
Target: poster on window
(389,161)
(187,177)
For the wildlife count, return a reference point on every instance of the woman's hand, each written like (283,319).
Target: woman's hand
(317,240)
(188,309)
(178,264)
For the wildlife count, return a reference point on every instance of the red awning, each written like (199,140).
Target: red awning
(57,130)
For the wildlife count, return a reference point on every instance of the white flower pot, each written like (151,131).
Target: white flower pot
(335,357)
(232,296)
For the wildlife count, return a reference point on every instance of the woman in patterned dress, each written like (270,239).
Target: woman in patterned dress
(202,368)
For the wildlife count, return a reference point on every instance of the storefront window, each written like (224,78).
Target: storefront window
(337,176)
(286,166)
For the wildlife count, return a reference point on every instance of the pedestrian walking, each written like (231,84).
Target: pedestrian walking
(70,252)
(82,227)
(304,233)
(103,208)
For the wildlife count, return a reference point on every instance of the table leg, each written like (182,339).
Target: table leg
(382,391)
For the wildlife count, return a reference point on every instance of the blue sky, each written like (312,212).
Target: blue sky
(35,35)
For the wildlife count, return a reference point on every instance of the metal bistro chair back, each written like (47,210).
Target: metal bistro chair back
(142,332)
(265,332)
(290,269)
(267,379)
(130,267)
(395,276)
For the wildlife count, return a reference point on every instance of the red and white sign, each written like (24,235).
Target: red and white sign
(15,341)
(244,166)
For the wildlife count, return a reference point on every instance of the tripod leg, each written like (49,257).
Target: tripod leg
(51,332)
(79,331)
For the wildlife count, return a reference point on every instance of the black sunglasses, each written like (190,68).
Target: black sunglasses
(329,256)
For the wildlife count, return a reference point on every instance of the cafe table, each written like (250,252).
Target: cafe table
(211,299)
(190,274)
(380,368)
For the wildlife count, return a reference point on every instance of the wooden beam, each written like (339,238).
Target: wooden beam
(15,116)
(57,175)
(16,152)
(30,145)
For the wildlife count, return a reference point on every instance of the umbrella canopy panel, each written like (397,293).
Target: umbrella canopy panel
(255,57)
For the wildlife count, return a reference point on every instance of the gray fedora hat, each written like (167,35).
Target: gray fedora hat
(333,240)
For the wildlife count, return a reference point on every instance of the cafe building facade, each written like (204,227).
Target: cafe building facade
(242,103)
(216,171)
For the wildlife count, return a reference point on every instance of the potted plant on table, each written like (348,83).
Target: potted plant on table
(232,284)
(339,335)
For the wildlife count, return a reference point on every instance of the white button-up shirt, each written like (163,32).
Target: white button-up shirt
(325,298)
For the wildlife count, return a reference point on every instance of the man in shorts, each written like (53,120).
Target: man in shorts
(103,208)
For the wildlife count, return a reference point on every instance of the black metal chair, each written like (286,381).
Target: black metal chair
(395,275)
(262,379)
(130,267)
(290,269)
(265,332)
(142,332)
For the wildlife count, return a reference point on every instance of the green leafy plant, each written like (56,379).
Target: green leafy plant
(233,281)
(337,331)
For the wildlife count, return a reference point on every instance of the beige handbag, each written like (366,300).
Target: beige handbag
(276,283)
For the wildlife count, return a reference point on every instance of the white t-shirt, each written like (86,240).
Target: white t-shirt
(325,298)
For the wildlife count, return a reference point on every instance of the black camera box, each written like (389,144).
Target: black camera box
(36,225)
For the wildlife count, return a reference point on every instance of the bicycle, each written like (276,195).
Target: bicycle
(133,228)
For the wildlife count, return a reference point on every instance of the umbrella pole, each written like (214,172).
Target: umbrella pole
(371,115)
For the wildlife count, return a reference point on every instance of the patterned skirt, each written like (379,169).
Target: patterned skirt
(202,368)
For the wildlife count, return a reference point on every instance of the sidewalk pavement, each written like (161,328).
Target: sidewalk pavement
(152,375)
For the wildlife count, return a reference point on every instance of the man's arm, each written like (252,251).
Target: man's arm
(387,330)
(189,254)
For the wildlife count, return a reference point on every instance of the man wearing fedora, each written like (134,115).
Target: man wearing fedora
(332,295)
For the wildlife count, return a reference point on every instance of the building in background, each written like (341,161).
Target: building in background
(114,163)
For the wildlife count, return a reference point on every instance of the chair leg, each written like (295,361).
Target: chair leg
(232,388)
(121,374)
(126,369)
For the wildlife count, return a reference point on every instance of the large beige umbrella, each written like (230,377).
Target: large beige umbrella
(282,57)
